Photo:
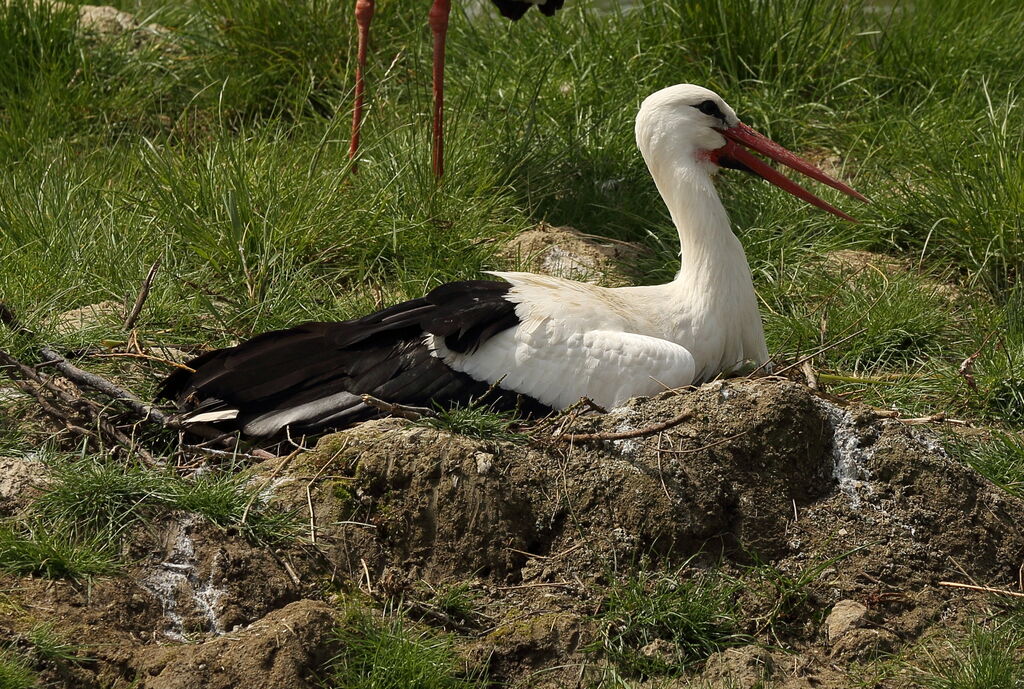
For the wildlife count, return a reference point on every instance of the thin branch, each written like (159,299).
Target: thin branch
(89,413)
(80,378)
(809,375)
(399,410)
(985,589)
(140,300)
(147,357)
(624,435)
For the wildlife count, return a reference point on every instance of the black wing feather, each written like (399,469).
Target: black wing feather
(382,354)
(515,9)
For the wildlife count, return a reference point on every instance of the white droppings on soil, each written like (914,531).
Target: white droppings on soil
(208,597)
(267,493)
(175,583)
(630,446)
(851,449)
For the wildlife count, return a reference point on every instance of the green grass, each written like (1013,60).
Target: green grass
(386,652)
(692,616)
(54,551)
(455,600)
(50,645)
(77,526)
(1000,459)
(475,421)
(219,147)
(991,657)
(227,500)
(14,672)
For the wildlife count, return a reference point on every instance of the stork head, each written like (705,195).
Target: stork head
(693,125)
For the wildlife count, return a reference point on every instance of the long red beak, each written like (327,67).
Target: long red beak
(752,139)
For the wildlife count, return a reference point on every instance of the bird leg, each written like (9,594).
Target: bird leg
(364,14)
(438,17)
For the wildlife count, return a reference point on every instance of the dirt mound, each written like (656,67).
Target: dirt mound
(759,471)
(568,253)
(281,650)
(208,581)
(759,478)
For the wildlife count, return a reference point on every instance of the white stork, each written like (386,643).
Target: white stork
(438,20)
(546,340)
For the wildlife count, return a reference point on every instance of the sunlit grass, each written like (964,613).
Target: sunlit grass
(690,615)
(221,150)
(989,658)
(999,458)
(77,526)
(15,673)
(380,652)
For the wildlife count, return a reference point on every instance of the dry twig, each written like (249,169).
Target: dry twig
(80,378)
(985,589)
(79,415)
(625,435)
(400,410)
(140,300)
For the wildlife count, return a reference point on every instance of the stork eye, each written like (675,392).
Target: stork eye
(710,107)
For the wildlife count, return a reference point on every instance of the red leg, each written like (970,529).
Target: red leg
(439,27)
(364,14)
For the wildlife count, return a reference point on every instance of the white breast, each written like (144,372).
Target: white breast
(574,340)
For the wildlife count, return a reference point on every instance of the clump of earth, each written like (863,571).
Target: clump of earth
(741,476)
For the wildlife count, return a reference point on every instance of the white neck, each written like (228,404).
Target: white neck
(709,251)
(715,307)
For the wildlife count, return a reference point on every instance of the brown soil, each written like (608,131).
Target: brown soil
(762,474)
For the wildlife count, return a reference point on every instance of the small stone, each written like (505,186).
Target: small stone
(568,253)
(21,480)
(659,649)
(484,463)
(843,532)
(845,615)
(864,644)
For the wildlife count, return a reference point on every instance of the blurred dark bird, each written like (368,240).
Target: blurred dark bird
(438,20)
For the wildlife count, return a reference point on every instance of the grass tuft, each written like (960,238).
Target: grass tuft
(77,526)
(691,617)
(475,421)
(1000,459)
(14,672)
(455,600)
(385,652)
(52,646)
(989,658)
(228,500)
(54,551)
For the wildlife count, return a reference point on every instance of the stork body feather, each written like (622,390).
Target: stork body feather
(534,341)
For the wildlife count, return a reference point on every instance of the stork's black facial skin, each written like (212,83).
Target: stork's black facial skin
(710,107)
